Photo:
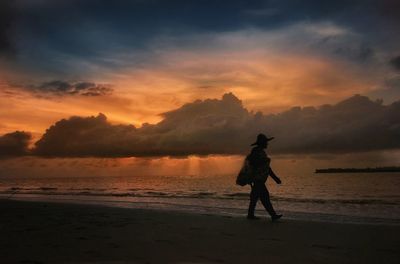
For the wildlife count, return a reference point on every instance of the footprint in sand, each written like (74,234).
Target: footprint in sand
(227,234)
(164,241)
(323,246)
(31,262)
(269,239)
(209,260)
(113,245)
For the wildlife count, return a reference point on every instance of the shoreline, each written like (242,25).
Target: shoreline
(46,232)
(176,205)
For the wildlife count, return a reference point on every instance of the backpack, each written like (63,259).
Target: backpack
(245,175)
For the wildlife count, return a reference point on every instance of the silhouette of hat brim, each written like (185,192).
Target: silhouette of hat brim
(258,142)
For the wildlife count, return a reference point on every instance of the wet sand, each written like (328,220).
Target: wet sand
(45,232)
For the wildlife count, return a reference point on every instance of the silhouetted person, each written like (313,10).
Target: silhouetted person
(260,164)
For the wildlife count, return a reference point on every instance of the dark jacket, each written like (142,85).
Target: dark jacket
(259,163)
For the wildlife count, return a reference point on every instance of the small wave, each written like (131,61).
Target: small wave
(87,189)
(157,193)
(205,193)
(47,189)
(33,189)
(236,195)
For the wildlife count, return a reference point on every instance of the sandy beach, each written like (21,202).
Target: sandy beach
(45,232)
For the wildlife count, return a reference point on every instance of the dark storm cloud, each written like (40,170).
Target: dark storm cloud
(55,36)
(353,125)
(390,90)
(395,63)
(62,88)
(14,144)
(359,53)
(7,16)
(202,127)
(225,127)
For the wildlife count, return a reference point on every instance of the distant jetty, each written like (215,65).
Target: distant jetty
(358,170)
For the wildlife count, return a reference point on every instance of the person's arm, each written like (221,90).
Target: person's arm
(273,175)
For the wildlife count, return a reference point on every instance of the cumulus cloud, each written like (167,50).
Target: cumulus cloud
(353,125)
(62,88)
(224,126)
(201,127)
(14,144)
(85,136)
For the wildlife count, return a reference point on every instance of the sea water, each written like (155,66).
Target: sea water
(207,185)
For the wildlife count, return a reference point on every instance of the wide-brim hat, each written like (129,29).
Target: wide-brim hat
(261,138)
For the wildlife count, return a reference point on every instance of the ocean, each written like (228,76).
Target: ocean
(206,185)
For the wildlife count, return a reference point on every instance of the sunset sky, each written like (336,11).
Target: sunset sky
(160,78)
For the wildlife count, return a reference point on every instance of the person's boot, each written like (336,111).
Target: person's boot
(276,217)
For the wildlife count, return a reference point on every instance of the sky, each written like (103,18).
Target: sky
(177,78)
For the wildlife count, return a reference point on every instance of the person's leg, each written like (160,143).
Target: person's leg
(264,197)
(254,195)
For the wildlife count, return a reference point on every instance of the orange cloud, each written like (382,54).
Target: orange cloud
(20,109)
(266,72)
(261,68)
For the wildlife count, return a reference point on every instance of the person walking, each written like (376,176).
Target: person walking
(260,165)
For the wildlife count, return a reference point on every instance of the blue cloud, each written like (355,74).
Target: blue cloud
(66,38)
